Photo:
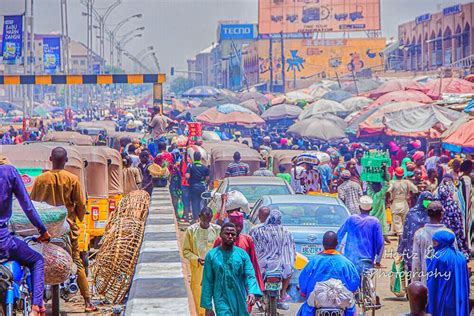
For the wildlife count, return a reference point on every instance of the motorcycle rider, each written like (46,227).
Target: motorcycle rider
(13,248)
(328,264)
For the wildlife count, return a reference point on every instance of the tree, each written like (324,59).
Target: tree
(181,84)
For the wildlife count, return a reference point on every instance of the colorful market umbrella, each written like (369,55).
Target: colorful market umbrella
(282,111)
(323,106)
(462,140)
(296,96)
(318,92)
(193,112)
(252,105)
(317,129)
(201,92)
(356,103)
(426,121)
(278,100)
(448,85)
(397,85)
(257,96)
(230,114)
(369,122)
(363,85)
(399,96)
(337,95)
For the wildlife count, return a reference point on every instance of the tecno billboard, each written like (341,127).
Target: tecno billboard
(310,16)
(237,32)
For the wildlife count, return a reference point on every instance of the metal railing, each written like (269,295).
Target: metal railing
(466,62)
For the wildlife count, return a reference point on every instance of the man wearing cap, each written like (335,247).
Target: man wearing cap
(364,238)
(350,192)
(399,191)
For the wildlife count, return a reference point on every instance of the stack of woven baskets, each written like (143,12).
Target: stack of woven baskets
(116,260)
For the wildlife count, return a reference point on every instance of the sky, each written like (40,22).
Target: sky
(178,29)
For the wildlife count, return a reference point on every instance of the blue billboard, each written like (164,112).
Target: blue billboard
(452,9)
(237,31)
(52,54)
(12,39)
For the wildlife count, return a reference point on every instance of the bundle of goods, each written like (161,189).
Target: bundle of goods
(235,200)
(115,263)
(331,293)
(133,205)
(54,217)
(372,169)
(160,175)
(58,264)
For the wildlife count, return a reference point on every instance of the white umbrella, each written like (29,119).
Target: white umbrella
(322,106)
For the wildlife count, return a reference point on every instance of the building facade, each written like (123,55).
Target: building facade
(439,39)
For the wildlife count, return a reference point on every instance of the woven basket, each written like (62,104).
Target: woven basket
(116,259)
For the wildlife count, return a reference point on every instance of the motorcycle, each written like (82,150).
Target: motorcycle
(329,311)
(273,284)
(15,287)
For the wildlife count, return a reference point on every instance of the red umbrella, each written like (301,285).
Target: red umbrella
(399,96)
(469,78)
(448,85)
(462,140)
(397,85)
(215,117)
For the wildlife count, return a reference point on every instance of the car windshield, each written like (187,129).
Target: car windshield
(255,191)
(311,214)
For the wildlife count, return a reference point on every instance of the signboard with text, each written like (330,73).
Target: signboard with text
(236,32)
(52,54)
(12,39)
(423,18)
(310,16)
(452,9)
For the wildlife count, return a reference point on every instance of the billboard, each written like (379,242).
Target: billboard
(306,58)
(236,32)
(12,39)
(52,54)
(310,16)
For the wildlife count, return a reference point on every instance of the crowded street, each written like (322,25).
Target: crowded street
(266,158)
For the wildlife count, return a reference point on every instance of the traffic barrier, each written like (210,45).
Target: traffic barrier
(81,79)
(159,285)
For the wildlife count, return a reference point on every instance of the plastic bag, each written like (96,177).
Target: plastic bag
(331,293)
(180,208)
(53,217)
(58,264)
(397,277)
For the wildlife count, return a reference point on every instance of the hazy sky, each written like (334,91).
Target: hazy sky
(178,29)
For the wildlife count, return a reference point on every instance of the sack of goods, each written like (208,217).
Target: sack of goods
(58,264)
(53,217)
(235,200)
(331,293)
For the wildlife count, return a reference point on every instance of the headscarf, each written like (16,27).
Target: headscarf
(404,166)
(4,160)
(418,155)
(236,218)
(416,218)
(448,287)
(274,218)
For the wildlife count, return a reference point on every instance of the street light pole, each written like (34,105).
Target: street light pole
(124,41)
(112,34)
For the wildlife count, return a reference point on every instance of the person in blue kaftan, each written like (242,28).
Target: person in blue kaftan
(364,237)
(329,264)
(448,278)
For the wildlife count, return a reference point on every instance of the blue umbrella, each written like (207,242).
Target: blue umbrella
(229,108)
(201,92)
(337,95)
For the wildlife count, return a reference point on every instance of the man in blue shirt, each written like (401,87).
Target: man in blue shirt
(198,177)
(364,238)
(13,248)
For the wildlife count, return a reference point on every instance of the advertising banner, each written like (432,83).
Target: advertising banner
(306,58)
(310,16)
(236,32)
(12,39)
(52,54)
